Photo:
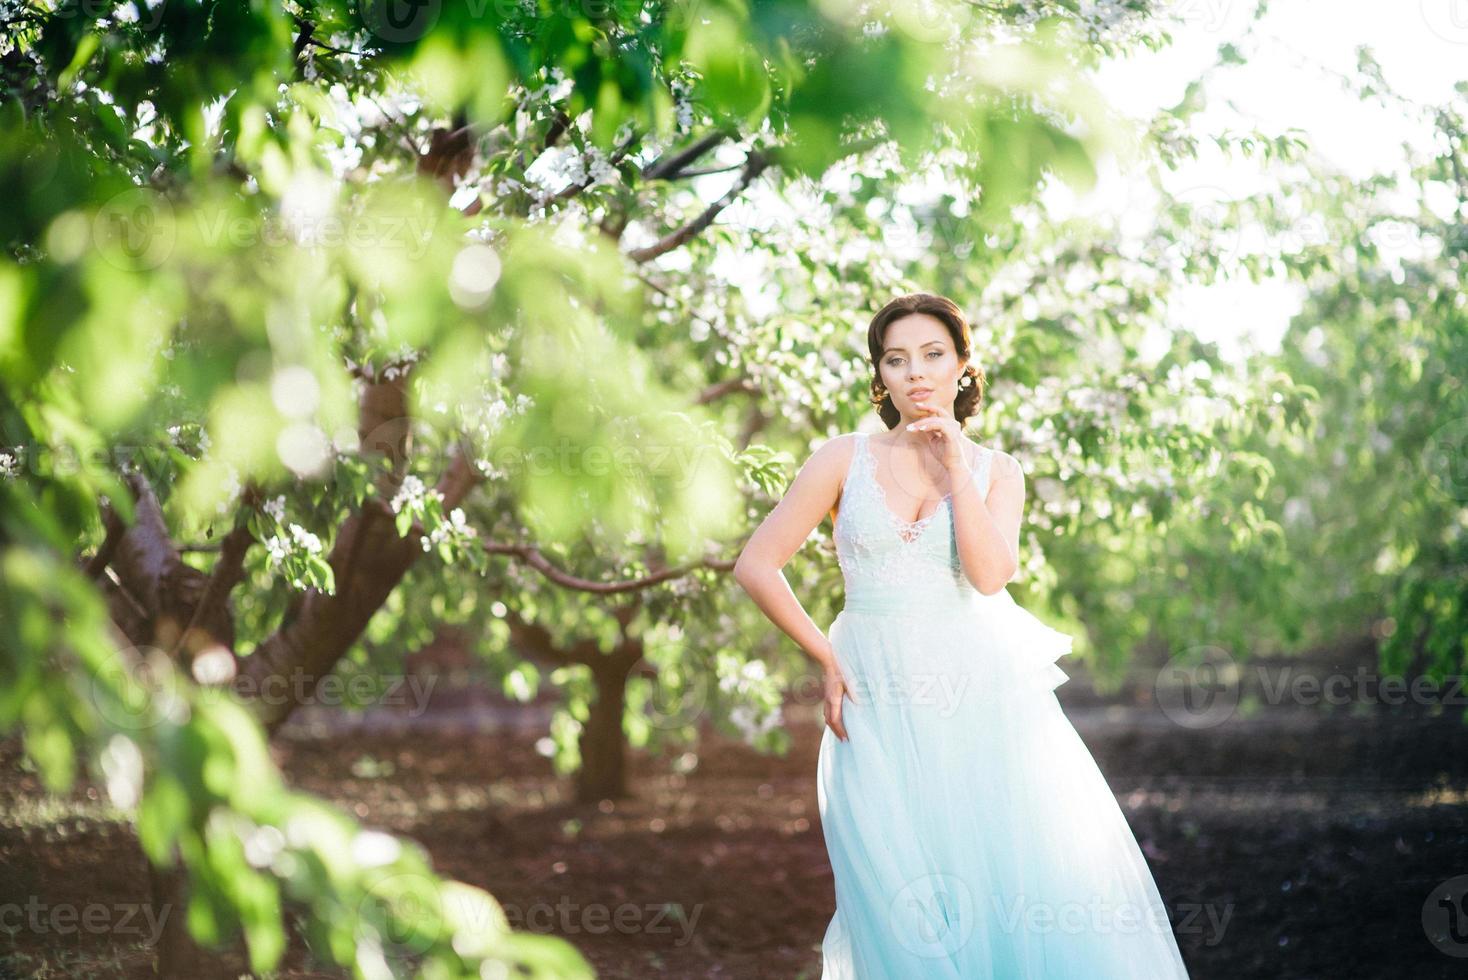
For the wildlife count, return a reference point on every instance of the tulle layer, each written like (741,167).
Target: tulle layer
(970,832)
(994,640)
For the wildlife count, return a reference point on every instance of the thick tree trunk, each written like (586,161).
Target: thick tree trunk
(603,772)
(177,956)
(157,600)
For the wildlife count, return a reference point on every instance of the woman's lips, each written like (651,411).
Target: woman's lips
(920,392)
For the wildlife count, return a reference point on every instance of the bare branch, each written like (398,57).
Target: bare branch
(671,167)
(754,165)
(533,557)
(728,386)
(115,530)
(153,592)
(229,570)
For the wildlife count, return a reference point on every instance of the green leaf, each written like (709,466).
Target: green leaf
(162,814)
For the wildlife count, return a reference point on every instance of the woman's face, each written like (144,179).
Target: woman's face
(919,365)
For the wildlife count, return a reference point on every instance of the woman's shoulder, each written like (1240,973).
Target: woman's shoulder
(841,443)
(836,452)
(841,446)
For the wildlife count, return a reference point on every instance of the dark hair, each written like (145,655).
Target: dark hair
(945,311)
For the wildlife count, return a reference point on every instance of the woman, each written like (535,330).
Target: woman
(971,833)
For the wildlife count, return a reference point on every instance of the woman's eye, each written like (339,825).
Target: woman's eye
(935,353)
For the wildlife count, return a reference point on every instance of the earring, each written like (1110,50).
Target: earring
(966,380)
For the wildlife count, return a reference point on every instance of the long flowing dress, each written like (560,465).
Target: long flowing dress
(970,832)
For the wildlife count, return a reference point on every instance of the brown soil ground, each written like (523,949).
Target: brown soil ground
(1321,835)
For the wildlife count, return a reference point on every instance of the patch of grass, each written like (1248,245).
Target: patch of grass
(115,964)
(58,812)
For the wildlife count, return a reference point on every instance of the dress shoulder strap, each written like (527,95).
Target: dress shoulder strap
(858,447)
(980,469)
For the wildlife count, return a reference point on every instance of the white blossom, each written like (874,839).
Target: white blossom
(279,548)
(751,672)
(411,493)
(457,528)
(232,490)
(122,764)
(752,727)
(308,542)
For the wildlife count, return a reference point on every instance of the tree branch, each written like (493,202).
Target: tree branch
(728,386)
(533,557)
(368,559)
(115,530)
(565,194)
(671,167)
(754,165)
(229,570)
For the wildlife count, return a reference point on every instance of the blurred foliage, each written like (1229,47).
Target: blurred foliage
(234,227)
(623,263)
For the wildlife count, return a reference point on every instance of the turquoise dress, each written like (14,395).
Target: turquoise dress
(971,833)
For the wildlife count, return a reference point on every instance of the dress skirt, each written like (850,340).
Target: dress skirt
(971,833)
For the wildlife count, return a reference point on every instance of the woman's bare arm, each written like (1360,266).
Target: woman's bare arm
(806,503)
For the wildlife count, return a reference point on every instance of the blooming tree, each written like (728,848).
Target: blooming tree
(297,295)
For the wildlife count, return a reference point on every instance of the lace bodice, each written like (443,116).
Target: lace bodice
(884,558)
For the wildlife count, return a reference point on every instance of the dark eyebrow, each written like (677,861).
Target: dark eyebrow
(928,344)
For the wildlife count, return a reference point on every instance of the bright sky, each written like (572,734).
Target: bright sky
(1421,45)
